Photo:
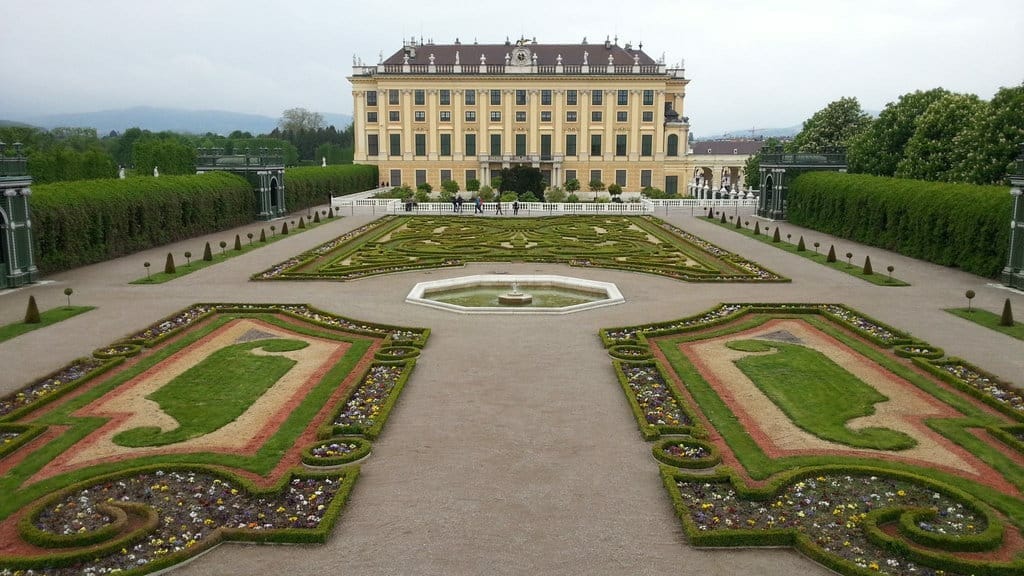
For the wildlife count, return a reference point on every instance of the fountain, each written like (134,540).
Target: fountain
(504,294)
(514,297)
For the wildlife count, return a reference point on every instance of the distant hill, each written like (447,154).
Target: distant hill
(787,132)
(12,124)
(173,119)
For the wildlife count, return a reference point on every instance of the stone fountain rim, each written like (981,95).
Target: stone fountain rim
(612,294)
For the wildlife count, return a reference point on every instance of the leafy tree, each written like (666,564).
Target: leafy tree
(992,144)
(450,186)
(880,148)
(831,127)
(614,189)
(473,185)
(554,194)
(522,180)
(169,152)
(596,186)
(486,193)
(572,185)
(299,119)
(937,146)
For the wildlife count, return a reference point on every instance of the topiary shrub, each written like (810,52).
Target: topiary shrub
(867,266)
(831,253)
(302,222)
(711,212)
(1007,318)
(208,253)
(776,237)
(738,223)
(757,228)
(284,228)
(723,218)
(800,245)
(32,312)
(316,217)
(263,235)
(169,267)
(238,243)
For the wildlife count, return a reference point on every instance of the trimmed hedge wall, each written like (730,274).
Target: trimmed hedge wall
(79,223)
(960,225)
(313,185)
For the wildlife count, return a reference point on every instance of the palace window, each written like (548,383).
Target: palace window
(596,97)
(470,144)
(372,145)
(495,115)
(645,178)
(520,116)
(647,116)
(419,97)
(620,177)
(622,116)
(570,144)
(620,144)
(648,97)
(420,116)
(622,98)
(445,97)
(446,147)
(393,96)
(470,115)
(646,145)
(446,116)
(371,97)
(595,144)
(371,117)
(421,144)
(596,116)
(393,116)
(570,97)
(495,97)
(570,116)
(520,97)
(545,116)
(469,98)
(545,97)
(595,176)
(495,144)
(395,145)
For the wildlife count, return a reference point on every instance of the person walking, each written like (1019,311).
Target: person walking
(515,207)
(478,206)
(498,209)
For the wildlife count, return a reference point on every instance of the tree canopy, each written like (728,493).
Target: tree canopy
(831,127)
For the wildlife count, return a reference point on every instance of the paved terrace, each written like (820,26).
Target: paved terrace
(512,450)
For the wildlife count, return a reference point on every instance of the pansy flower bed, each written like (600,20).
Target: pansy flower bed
(105,495)
(404,243)
(807,478)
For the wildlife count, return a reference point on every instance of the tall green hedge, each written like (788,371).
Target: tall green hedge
(88,221)
(960,225)
(312,185)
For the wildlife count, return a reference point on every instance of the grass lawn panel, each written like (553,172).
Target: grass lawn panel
(805,385)
(634,243)
(847,509)
(239,365)
(989,320)
(240,376)
(51,316)
(841,264)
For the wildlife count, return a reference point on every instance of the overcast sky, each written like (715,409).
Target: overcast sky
(751,64)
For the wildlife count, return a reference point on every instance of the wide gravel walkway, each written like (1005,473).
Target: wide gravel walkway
(512,449)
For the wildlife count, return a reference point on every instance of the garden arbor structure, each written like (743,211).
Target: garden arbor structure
(17,260)
(1013,273)
(778,168)
(262,168)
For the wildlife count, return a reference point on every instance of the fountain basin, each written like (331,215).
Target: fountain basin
(515,294)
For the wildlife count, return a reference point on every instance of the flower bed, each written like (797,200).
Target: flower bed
(919,350)
(367,407)
(630,352)
(655,404)
(392,353)
(336,451)
(49,388)
(685,453)
(126,350)
(980,384)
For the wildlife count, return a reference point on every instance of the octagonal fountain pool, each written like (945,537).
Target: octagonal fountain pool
(515,294)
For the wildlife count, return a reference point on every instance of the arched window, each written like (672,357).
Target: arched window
(673,145)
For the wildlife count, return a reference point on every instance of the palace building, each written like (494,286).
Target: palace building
(436,112)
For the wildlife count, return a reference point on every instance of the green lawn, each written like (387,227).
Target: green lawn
(880,275)
(989,320)
(184,266)
(47,318)
(215,392)
(805,385)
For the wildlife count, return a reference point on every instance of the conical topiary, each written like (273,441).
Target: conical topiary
(711,212)
(800,245)
(238,242)
(1007,318)
(723,218)
(32,312)
(757,228)
(316,217)
(831,253)
(867,266)
(284,228)
(776,237)
(263,235)
(302,223)
(330,212)
(738,223)
(207,253)
(169,264)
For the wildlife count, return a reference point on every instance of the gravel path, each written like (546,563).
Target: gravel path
(512,450)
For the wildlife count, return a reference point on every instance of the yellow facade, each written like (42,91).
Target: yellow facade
(421,117)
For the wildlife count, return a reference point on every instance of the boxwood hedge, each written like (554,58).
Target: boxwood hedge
(959,225)
(314,185)
(84,222)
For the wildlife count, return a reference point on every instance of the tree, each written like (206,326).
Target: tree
(300,119)
(473,185)
(614,189)
(572,185)
(554,194)
(32,312)
(169,267)
(831,127)
(522,180)
(991,144)
(937,146)
(878,149)
(596,186)
(68,292)
(450,186)
(1005,319)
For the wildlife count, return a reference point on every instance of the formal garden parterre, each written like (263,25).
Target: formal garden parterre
(633,243)
(220,422)
(818,427)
